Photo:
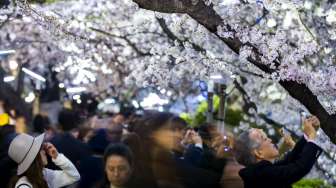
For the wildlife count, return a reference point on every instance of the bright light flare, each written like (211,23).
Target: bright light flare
(30,98)
(9,78)
(6,52)
(33,74)
(76,90)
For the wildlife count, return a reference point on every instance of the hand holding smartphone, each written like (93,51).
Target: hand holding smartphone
(309,127)
(313,119)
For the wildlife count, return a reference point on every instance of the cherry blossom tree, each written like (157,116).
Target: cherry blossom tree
(281,54)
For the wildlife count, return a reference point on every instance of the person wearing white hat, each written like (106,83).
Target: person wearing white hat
(30,155)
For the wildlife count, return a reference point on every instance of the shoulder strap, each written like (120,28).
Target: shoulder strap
(23,184)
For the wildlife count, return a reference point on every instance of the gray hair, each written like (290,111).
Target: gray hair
(244,147)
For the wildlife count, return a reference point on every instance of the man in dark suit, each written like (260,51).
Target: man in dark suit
(257,153)
(66,142)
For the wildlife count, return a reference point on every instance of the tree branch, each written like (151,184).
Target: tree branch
(173,37)
(128,41)
(208,17)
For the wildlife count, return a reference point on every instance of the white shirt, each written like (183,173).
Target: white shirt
(56,178)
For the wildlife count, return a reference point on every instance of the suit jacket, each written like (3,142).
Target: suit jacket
(72,148)
(203,158)
(210,162)
(192,155)
(92,171)
(282,174)
(190,172)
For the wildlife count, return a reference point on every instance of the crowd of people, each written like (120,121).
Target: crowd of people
(153,150)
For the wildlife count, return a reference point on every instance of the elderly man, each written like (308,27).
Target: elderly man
(257,153)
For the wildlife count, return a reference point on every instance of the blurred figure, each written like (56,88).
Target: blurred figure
(160,137)
(118,167)
(223,146)
(142,173)
(41,124)
(31,156)
(20,124)
(7,166)
(12,115)
(66,141)
(91,168)
(218,157)
(118,119)
(157,141)
(102,137)
(192,148)
(85,134)
(257,153)
(86,130)
(7,134)
(212,142)
(114,130)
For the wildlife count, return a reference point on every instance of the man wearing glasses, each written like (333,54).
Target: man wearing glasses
(258,154)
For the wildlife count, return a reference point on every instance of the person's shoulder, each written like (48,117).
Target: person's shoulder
(262,164)
(252,170)
(64,138)
(56,138)
(259,164)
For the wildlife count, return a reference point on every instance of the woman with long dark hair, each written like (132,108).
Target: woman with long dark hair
(161,135)
(158,138)
(31,156)
(33,174)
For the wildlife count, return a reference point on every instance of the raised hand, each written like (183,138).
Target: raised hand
(187,138)
(315,122)
(309,129)
(288,140)
(50,150)
(222,144)
(196,138)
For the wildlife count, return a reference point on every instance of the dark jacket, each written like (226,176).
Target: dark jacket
(92,167)
(8,166)
(92,172)
(190,172)
(203,158)
(72,148)
(192,155)
(210,162)
(194,177)
(284,173)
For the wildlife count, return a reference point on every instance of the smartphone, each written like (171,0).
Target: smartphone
(304,115)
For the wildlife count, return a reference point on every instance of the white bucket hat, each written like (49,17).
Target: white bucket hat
(24,149)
